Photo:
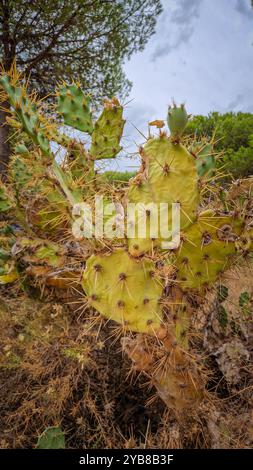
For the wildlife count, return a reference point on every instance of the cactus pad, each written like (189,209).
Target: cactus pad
(74,106)
(27,112)
(51,438)
(205,160)
(169,176)
(124,290)
(6,202)
(206,249)
(108,131)
(177,120)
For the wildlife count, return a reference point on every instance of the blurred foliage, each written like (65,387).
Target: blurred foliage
(233,134)
(118,175)
(245,302)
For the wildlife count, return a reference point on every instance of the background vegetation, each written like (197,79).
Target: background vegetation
(233,133)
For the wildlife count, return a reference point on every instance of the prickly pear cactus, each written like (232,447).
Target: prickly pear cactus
(34,169)
(175,380)
(124,290)
(27,113)
(147,290)
(208,244)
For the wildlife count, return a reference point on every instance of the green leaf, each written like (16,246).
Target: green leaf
(222,293)
(222,316)
(244,299)
(245,303)
(51,438)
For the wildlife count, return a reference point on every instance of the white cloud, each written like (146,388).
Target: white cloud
(176,26)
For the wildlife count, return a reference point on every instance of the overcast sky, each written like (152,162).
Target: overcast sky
(201,54)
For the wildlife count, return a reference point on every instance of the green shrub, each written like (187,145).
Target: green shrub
(233,133)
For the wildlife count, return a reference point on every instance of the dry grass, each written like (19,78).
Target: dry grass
(58,369)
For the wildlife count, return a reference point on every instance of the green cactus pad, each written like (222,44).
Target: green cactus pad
(124,290)
(205,160)
(22,149)
(6,202)
(108,131)
(74,106)
(38,251)
(51,438)
(177,120)
(50,211)
(168,175)
(27,112)
(78,162)
(20,173)
(206,249)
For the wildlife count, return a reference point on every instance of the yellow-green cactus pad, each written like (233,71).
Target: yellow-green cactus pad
(169,176)
(206,249)
(124,290)
(74,106)
(108,131)
(20,173)
(9,277)
(8,272)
